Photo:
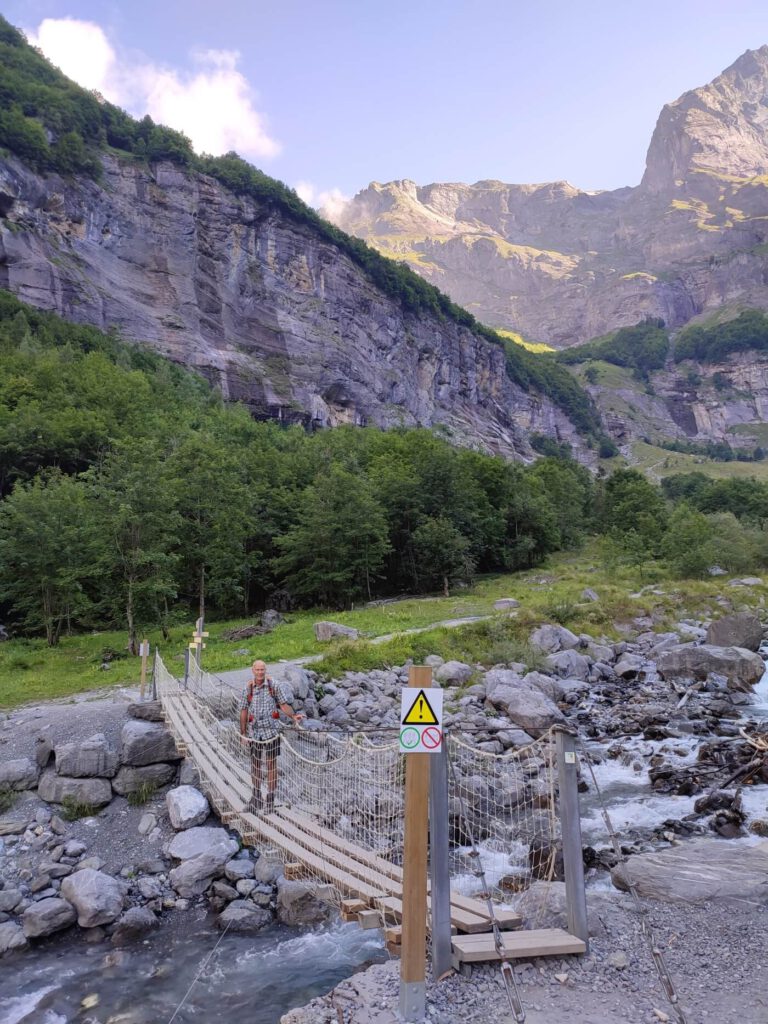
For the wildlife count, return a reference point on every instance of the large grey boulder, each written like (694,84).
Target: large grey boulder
(743,629)
(91,758)
(707,869)
(55,788)
(187,807)
(10,899)
(11,937)
(299,907)
(203,853)
(47,916)
(629,665)
(742,668)
(21,773)
(144,743)
(244,916)
(550,639)
(569,664)
(299,680)
(325,631)
(129,780)
(236,870)
(546,904)
(133,924)
(505,604)
(97,898)
(524,705)
(147,710)
(454,673)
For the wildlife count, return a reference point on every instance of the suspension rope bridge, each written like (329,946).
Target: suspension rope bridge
(338,820)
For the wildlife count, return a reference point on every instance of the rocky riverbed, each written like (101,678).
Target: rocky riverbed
(671,722)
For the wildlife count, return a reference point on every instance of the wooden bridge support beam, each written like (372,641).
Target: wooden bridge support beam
(570,823)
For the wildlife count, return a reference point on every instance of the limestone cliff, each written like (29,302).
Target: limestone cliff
(561,265)
(264,308)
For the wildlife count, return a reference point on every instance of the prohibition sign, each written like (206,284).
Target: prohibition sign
(431,737)
(410,737)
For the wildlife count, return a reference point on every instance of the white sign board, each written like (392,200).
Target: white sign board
(421,720)
(144,648)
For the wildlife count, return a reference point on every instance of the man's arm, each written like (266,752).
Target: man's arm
(290,713)
(243,721)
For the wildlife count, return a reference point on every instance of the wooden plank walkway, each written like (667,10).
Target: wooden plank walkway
(353,871)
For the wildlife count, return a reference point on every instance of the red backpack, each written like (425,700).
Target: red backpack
(249,698)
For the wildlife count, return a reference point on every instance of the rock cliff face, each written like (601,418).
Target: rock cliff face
(561,265)
(274,316)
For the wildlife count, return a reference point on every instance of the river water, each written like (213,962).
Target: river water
(254,980)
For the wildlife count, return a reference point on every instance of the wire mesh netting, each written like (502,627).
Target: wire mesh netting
(339,799)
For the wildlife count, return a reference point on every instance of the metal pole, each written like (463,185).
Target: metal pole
(413,966)
(186,668)
(570,822)
(438,864)
(154,674)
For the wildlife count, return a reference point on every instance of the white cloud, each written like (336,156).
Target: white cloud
(330,202)
(214,105)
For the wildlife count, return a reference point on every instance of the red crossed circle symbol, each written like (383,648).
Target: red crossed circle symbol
(431,737)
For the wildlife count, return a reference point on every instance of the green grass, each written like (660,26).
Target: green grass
(664,463)
(8,798)
(142,794)
(72,809)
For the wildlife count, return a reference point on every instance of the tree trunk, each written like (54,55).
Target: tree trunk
(133,647)
(202,591)
(445,587)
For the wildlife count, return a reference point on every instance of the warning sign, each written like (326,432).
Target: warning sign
(421,721)
(420,712)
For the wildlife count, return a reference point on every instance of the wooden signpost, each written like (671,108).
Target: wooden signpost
(144,652)
(198,637)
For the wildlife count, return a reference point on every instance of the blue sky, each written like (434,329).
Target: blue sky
(337,93)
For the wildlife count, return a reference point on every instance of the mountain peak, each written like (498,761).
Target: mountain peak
(719,129)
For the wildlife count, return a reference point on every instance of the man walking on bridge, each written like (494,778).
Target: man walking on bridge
(260,709)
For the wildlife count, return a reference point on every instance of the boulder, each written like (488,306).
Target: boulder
(9,900)
(743,629)
(187,807)
(147,711)
(550,639)
(299,907)
(271,618)
(91,758)
(54,788)
(203,853)
(47,916)
(706,869)
(129,780)
(505,604)
(244,916)
(746,581)
(742,668)
(133,924)
(43,751)
(547,905)
(237,869)
(11,937)
(97,898)
(143,743)
(21,773)
(454,673)
(588,594)
(299,680)
(325,631)
(524,705)
(629,665)
(569,664)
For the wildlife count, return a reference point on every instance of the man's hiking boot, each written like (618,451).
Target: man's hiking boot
(255,804)
(270,804)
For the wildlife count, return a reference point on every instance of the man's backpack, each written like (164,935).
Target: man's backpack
(272,694)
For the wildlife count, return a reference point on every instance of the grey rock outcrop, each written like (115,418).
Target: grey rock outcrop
(147,711)
(453,673)
(298,907)
(549,639)
(524,705)
(143,743)
(91,758)
(742,668)
(11,937)
(19,774)
(129,780)
(97,898)
(325,631)
(47,916)
(55,788)
(244,916)
(203,853)
(701,870)
(569,664)
(743,629)
(187,807)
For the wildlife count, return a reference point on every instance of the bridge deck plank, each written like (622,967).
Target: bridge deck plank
(536,942)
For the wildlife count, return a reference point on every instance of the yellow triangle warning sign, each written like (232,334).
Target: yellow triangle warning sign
(420,712)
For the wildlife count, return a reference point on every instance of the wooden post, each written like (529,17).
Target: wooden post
(144,655)
(413,967)
(570,823)
(438,863)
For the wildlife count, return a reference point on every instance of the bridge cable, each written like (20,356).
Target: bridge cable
(199,973)
(507,972)
(658,958)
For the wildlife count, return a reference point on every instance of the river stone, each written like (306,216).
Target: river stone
(187,807)
(133,924)
(547,904)
(43,751)
(129,779)
(454,673)
(697,871)
(98,898)
(203,852)
(742,668)
(743,629)
(13,826)
(47,916)
(9,899)
(146,711)
(298,680)
(325,631)
(569,664)
(244,916)
(234,870)
(550,639)
(298,907)
(524,705)
(21,773)
(505,604)
(588,594)
(150,888)
(54,788)
(629,665)
(145,743)
(92,757)
(11,937)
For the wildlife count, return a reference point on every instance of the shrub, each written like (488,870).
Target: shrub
(72,808)
(142,794)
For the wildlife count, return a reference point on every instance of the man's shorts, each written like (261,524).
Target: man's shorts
(269,749)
